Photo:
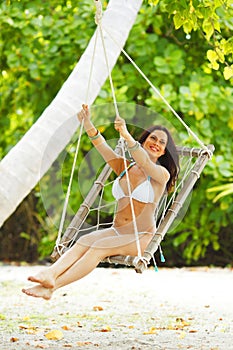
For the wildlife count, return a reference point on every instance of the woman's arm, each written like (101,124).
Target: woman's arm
(141,157)
(111,157)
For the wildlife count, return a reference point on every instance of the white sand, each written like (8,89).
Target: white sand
(179,308)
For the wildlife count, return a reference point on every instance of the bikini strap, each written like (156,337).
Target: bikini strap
(124,171)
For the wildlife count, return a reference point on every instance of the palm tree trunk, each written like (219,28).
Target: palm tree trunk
(27,162)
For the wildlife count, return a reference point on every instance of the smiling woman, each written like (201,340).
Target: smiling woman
(138,189)
(169,158)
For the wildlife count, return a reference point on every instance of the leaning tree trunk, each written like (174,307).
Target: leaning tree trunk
(28,161)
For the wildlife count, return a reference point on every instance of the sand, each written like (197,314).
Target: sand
(116,308)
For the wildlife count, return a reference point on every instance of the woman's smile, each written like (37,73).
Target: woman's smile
(156,142)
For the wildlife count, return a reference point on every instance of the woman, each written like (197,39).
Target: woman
(154,170)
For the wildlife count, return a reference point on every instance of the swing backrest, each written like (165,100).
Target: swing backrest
(186,183)
(202,157)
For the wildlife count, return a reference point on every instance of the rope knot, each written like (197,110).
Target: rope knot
(98,14)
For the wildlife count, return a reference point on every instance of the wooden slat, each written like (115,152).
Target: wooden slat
(193,152)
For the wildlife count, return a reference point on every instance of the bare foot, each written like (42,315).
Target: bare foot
(44,278)
(39,292)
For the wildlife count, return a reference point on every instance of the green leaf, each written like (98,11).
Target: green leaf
(179,20)
(160,61)
(25,236)
(188,26)
(220,55)
(184,90)
(212,55)
(228,72)
(217,26)
(221,188)
(216,245)
(223,194)
(208,28)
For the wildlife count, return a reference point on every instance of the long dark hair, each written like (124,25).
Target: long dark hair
(170,160)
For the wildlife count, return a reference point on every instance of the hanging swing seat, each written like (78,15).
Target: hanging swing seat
(194,161)
(189,177)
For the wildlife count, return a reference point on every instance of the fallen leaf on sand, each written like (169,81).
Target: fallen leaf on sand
(66,328)
(181,323)
(22,326)
(30,329)
(14,339)
(54,335)
(97,308)
(26,318)
(106,329)
(152,330)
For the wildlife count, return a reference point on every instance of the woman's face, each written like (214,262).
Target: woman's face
(156,143)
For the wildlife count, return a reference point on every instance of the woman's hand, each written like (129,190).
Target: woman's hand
(84,114)
(120,126)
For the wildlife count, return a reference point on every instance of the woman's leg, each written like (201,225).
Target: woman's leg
(123,245)
(48,276)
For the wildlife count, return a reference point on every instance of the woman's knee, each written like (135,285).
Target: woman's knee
(89,240)
(85,241)
(95,236)
(99,251)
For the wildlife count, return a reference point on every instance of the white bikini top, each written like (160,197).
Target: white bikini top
(144,192)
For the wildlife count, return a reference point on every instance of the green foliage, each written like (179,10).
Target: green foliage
(201,227)
(213,19)
(40,46)
(184,47)
(225,190)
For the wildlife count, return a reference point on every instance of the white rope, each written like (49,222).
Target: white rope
(159,94)
(91,69)
(121,140)
(188,166)
(131,202)
(64,211)
(98,13)
(108,68)
(69,189)
(98,224)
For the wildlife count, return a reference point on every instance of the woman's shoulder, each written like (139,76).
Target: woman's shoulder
(160,174)
(166,171)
